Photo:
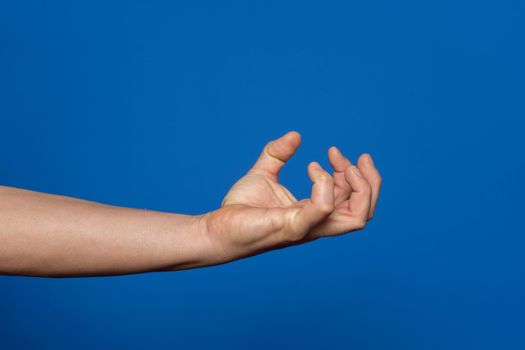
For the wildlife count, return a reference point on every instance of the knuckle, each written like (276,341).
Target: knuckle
(277,151)
(267,148)
(360,224)
(326,208)
(378,181)
(326,178)
(295,235)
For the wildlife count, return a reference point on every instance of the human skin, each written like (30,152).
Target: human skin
(55,236)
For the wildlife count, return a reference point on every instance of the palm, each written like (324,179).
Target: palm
(254,209)
(261,191)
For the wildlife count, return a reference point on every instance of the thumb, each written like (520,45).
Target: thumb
(276,153)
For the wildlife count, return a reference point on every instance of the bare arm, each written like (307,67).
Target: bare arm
(48,235)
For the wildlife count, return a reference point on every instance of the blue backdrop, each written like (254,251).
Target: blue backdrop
(164,105)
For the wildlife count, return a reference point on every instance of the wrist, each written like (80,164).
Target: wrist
(198,240)
(207,230)
(190,244)
(212,231)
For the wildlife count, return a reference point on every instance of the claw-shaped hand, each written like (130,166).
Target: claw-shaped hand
(259,214)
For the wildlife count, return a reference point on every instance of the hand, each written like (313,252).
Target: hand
(259,214)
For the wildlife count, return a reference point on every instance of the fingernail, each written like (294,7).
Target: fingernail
(316,165)
(336,150)
(369,157)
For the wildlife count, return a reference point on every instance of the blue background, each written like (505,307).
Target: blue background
(163,105)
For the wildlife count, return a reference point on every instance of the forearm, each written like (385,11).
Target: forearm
(48,235)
